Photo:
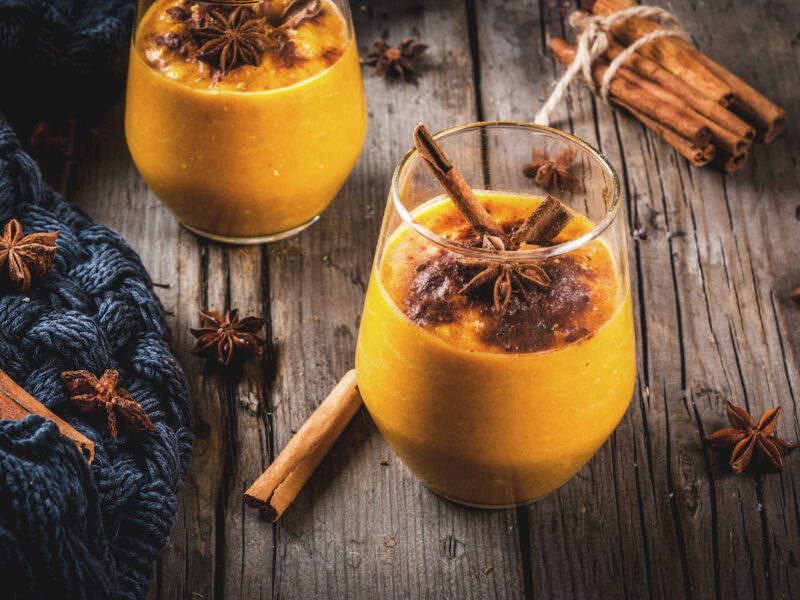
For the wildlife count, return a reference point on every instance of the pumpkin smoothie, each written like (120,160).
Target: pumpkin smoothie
(488,407)
(245,120)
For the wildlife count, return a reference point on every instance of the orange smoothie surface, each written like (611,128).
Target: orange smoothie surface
(424,282)
(291,54)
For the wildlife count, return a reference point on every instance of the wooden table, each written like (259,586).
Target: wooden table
(713,260)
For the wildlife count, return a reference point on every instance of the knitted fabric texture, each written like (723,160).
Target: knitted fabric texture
(67,529)
(77,49)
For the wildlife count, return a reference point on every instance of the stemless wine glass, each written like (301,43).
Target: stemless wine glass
(247,144)
(488,408)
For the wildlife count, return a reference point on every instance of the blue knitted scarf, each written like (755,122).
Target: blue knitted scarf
(67,529)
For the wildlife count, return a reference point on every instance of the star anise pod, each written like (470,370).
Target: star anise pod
(227,338)
(552,172)
(541,227)
(104,395)
(24,257)
(395,62)
(506,278)
(748,440)
(231,40)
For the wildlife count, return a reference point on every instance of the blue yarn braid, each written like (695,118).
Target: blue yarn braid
(68,530)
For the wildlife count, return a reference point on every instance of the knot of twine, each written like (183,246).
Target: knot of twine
(593,42)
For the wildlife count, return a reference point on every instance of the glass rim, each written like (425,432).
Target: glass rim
(509,255)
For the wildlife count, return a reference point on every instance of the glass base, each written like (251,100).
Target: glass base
(261,239)
(488,506)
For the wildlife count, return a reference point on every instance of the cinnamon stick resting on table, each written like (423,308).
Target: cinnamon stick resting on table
(16,404)
(714,111)
(679,127)
(279,485)
(696,69)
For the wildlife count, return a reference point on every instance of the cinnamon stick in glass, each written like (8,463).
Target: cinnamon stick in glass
(456,187)
(680,120)
(16,404)
(279,485)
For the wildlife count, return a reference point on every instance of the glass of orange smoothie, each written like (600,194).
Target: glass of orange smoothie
(245,118)
(496,373)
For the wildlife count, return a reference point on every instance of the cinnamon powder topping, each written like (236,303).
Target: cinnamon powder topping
(575,304)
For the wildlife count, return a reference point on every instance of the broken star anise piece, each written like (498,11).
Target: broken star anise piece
(228,41)
(746,440)
(395,62)
(24,257)
(552,172)
(227,338)
(104,395)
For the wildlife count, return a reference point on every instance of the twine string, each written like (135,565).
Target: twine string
(593,43)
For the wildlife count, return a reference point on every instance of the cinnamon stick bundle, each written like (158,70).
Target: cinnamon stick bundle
(16,404)
(699,156)
(713,110)
(678,126)
(720,136)
(279,485)
(662,50)
(697,70)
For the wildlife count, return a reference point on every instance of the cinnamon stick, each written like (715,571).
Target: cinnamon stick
(730,163)
(279,485)
(699,156)
(665,51)
(767,116)
(714,111)
(680,120)
(720,136)
(543,224)
(16,404)
(456,186)
(702,73)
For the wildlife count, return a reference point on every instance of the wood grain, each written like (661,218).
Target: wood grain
(669,520)
(653,514)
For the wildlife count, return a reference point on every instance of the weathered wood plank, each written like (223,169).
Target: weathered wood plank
(361,529)
(715,323)
(213,531)
(653,514)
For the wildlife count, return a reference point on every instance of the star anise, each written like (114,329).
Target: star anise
(552,172)
(395,62)
(795,295)
(505,278)
(227,338)
(748,440)
(541,227)
(24,257)
(104,395)
(231,40)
